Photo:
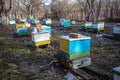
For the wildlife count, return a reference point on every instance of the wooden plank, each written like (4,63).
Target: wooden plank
(74,35)
(82,74)
(99,71)
(64,61)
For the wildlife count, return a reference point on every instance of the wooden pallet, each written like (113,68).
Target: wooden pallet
(84,73)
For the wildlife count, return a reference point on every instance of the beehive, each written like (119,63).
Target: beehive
(27,25)
(23,20)
(37,22)
(32,21)
(20,26)
(116,71)
(116,30)
(47,22)
(12,23)
(62,21)
(88,25)
(46,28)
(74,56)
(82,62)
(98,26)
(21,29)
(73,48)
(41,38)
(74,45)
(67,23)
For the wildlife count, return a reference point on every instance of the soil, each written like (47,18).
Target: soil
(34,64)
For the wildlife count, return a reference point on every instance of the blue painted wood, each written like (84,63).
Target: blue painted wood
(67,23)
(79,46)
(73,56)
(48,29)
(24,30)
(44,21)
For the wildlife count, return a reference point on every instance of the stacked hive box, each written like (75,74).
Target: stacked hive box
(116,30)
(46,28)
(47,22)
(23,20)
(32,21)
(21,29)
(12,23)
(37,22)
(76,49)
(88,25)
(65,23)
(98,26)
(116,71)
(40,38)
(27,24)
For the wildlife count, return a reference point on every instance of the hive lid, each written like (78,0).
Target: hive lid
(72,39)
(42,32)
(44,26)
(116,70)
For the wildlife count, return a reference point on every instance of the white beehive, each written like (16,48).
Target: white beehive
(116,73)
(41,36)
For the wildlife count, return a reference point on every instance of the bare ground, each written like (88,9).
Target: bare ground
(19,61)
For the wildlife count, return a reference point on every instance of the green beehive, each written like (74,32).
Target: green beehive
(88,25)
(74,56)
(12,23)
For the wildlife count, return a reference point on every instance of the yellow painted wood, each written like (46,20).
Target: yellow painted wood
(19,26)
(42,43)
(83,24)
(100,29)
(64,44)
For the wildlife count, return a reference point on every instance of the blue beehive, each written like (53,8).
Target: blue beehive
(47,22)
(67,23)
(46,28)
(23,31)
(74,45)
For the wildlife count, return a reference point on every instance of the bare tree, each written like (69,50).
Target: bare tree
(6,7)
(61,8)
(29,7)
(91,8)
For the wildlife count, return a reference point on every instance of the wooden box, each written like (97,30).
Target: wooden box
(74,35)
(98,26)
(37,22)
(116,30)
(82,62)
(47,22)
(22,31)
(67,23)
(62,21)
(116,71)
(41,38)
(75,45)
(23,20)
(46,28)
(20,26)
(73,56)
(88,25)
(12,23)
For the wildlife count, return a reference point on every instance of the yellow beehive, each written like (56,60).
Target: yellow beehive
(20,26)
(40,38)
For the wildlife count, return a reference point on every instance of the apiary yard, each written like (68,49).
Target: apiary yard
(19,60)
